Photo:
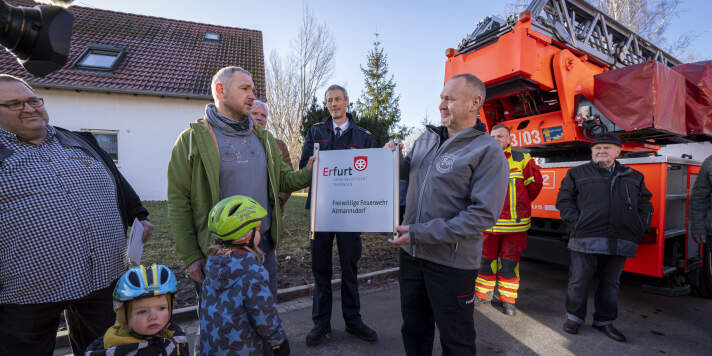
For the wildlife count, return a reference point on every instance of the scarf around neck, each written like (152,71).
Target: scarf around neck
(226,125)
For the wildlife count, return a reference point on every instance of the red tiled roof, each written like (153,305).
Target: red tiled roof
(162,56)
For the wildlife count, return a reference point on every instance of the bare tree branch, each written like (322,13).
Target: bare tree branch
(292,81)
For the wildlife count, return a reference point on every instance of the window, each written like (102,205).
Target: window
(108,141)
(100,58)
(212,37)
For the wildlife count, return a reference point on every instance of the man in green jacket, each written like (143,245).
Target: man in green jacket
(221,155)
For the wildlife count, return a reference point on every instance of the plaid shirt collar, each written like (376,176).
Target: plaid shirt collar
(51,132)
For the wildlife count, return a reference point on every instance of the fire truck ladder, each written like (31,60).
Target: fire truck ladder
(581,27)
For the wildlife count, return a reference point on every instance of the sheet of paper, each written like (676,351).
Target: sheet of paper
(135,249)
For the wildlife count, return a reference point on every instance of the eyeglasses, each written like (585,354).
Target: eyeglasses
(20,105)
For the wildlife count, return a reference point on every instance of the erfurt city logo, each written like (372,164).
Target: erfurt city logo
(360,163)
(336,171)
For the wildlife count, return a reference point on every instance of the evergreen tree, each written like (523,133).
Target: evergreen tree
(315,113)
(379,103)
(377,128)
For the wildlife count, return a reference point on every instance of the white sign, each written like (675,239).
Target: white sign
(135,248)
(353,191)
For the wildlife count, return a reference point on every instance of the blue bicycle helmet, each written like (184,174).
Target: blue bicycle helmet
(143,281)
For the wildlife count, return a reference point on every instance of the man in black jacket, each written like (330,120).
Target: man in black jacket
(608,208)
(338,132)
(64,211)
(701,204)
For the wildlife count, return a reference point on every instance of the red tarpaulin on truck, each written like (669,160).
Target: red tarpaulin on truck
(642,96)
(698,102)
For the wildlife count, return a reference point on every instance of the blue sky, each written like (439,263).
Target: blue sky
(414,34)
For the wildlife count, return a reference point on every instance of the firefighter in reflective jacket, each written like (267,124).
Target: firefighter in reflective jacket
(504,242)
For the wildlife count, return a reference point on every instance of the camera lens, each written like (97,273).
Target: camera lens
(19,27)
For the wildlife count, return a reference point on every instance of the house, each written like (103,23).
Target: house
(137,81)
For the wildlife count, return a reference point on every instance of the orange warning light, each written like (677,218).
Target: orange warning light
(525,16)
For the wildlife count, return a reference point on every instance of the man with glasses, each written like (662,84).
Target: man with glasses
(64,209)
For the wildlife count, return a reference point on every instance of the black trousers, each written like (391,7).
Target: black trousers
(431,294)
(349,245)
(581,272)
(31,329)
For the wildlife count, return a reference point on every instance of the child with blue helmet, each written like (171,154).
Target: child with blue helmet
(143,301)
(238,312)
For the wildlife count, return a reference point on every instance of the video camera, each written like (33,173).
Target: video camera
(38,36)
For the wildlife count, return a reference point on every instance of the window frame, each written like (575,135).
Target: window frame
(95,132)
(210,39)
(100,49)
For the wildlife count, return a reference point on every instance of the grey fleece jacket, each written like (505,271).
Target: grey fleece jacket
(701,200)
(455,192)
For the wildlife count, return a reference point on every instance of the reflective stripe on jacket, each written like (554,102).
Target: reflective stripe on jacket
(525,183)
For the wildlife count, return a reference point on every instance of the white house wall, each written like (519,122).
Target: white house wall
(147,129)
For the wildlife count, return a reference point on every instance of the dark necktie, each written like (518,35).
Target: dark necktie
(338,132)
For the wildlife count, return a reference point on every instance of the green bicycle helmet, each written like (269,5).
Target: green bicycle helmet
(233,217)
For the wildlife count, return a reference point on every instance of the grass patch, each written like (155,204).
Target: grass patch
(161,247)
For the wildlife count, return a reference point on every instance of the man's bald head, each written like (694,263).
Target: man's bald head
(475,87)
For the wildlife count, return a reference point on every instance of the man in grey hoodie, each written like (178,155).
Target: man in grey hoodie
(457,180)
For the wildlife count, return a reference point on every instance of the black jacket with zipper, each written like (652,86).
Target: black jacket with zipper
(608,212)
(130,206)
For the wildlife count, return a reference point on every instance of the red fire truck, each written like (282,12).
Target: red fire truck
(561,72)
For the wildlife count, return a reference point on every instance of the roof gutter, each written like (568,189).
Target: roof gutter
(122,91)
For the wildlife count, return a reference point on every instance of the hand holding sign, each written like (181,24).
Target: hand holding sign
(310,164)
(392,145)
(403,236)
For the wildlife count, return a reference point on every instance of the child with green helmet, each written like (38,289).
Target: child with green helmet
(143,302)
(238,311)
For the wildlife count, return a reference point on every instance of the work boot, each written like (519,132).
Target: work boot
(509,309)
(362,331)
(479,301)
(611,332)
(318,334)
(571,326)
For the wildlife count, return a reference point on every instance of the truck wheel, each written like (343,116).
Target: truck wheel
(704,274)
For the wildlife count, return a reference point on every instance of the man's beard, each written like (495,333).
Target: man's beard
(448,122)
(236,113)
